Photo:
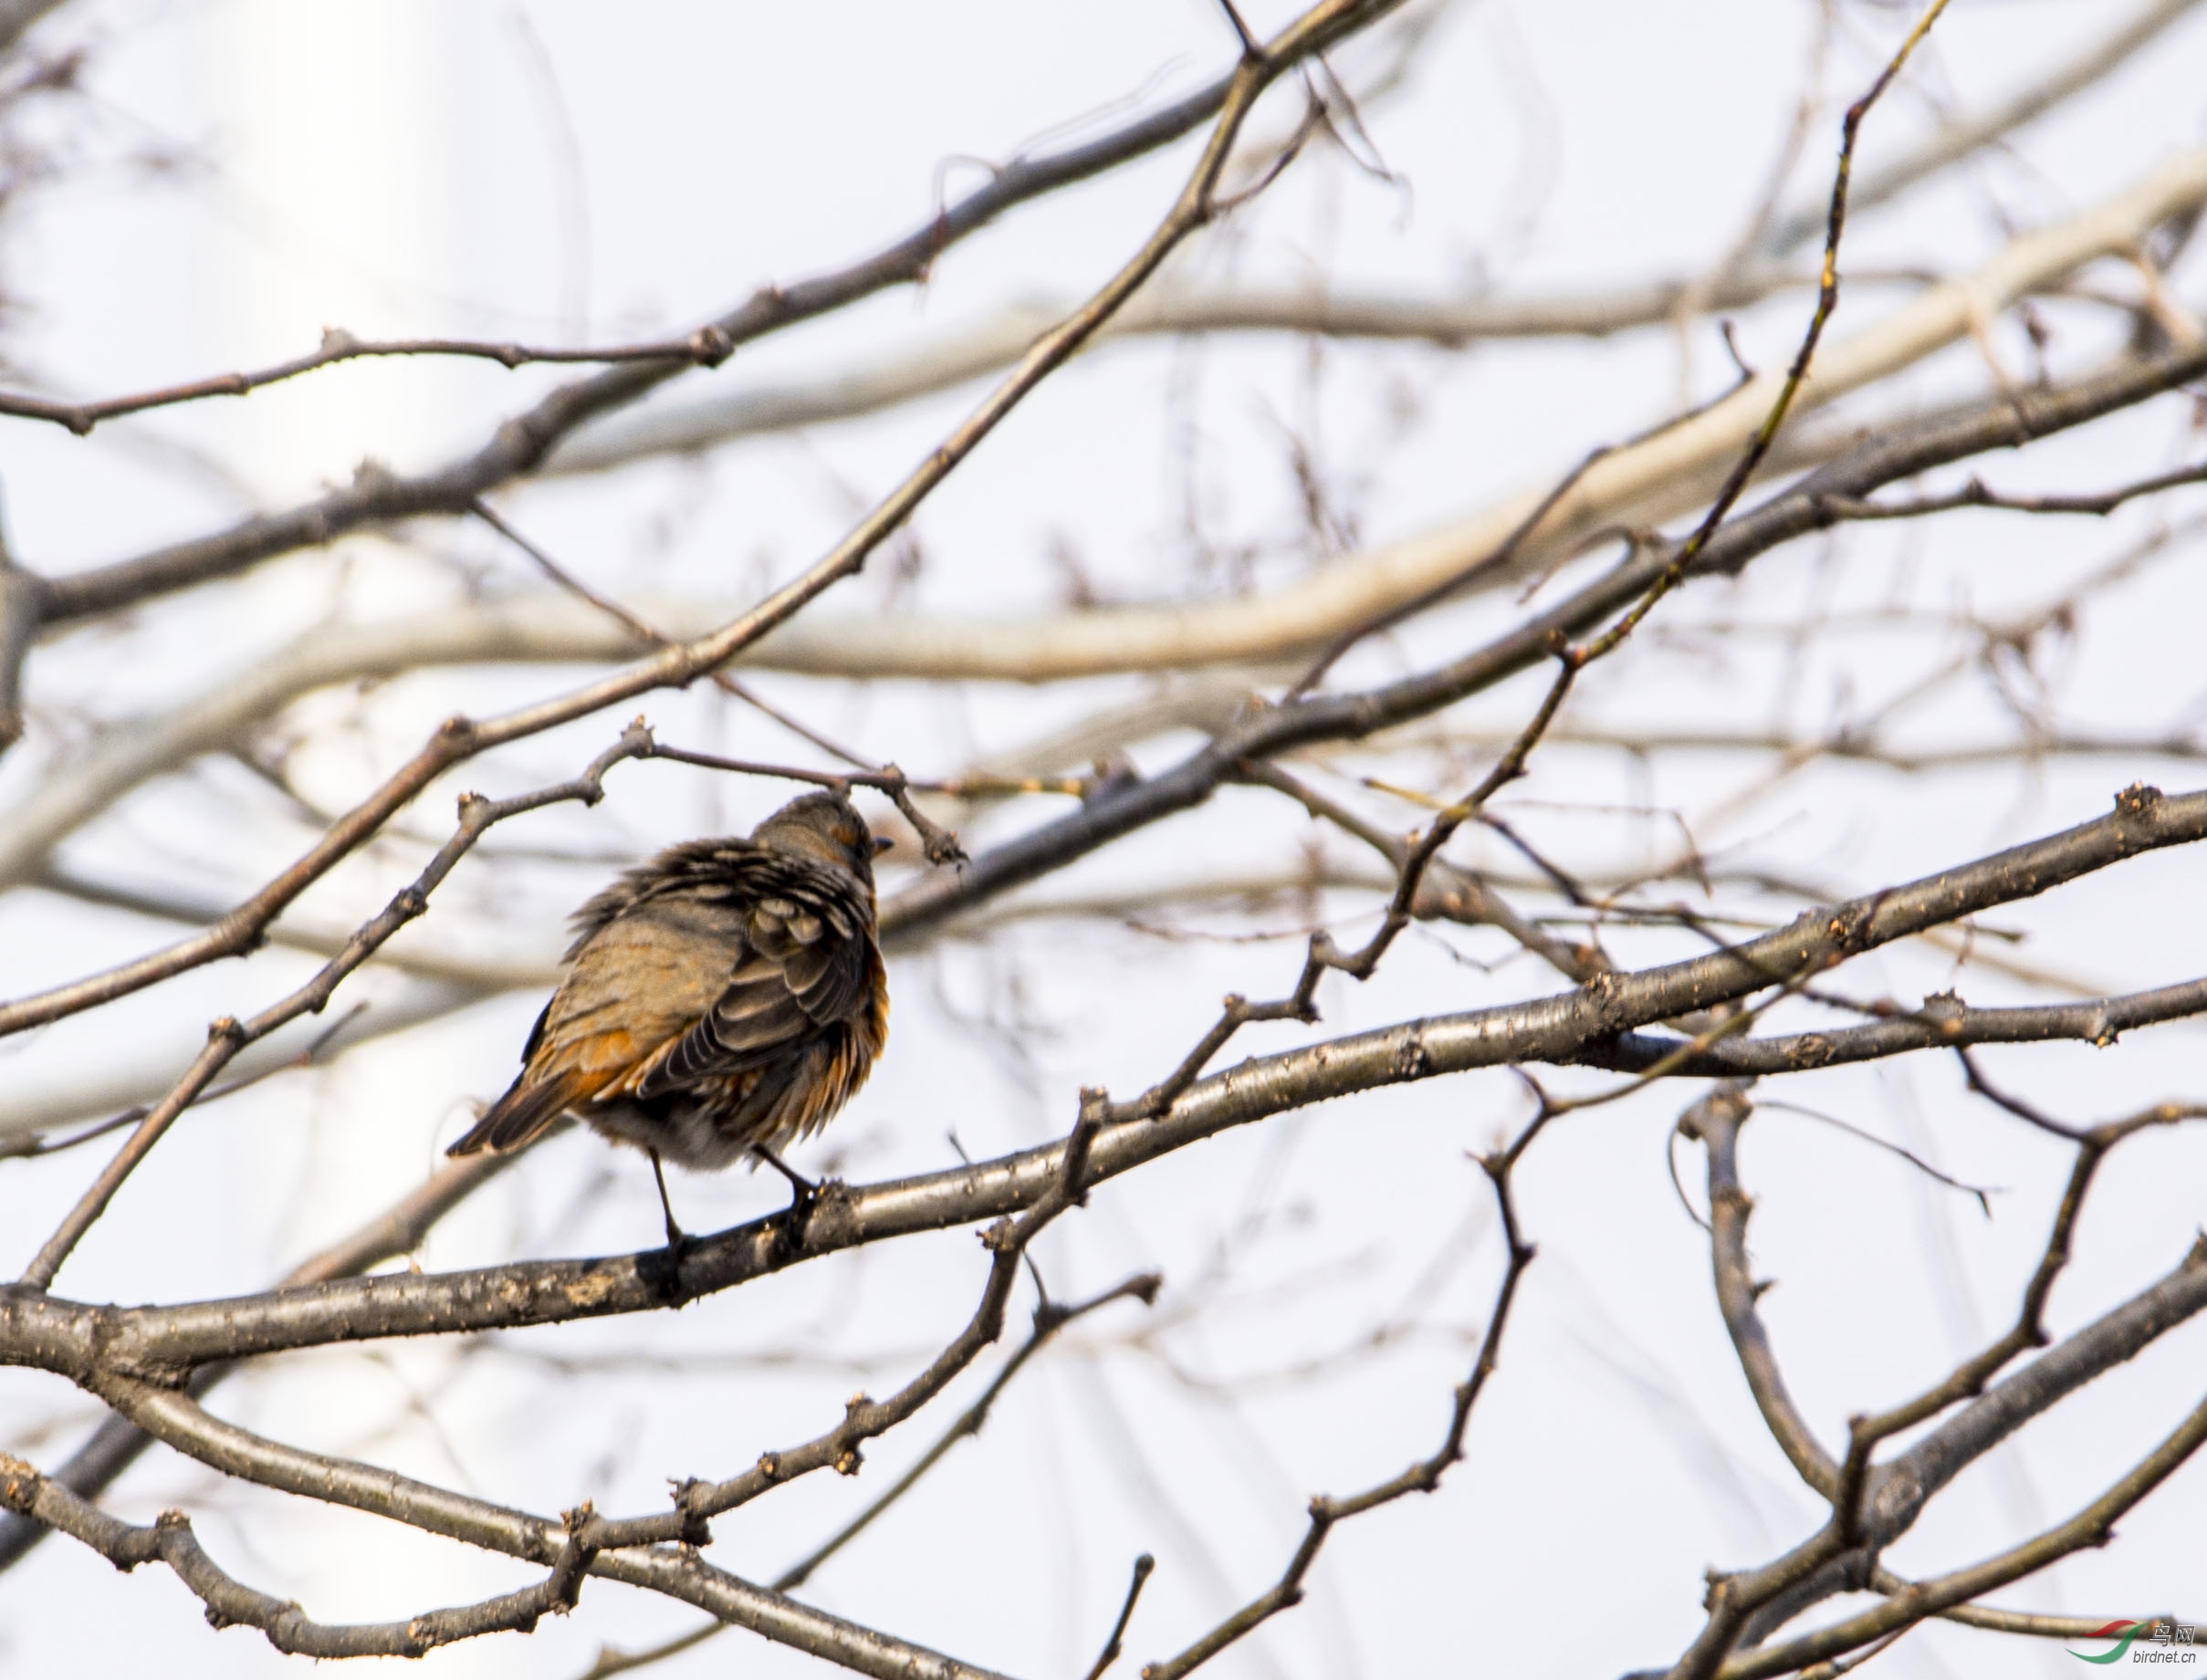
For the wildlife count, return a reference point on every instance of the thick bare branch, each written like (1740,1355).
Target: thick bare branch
(957,356)
(165,1342)
(177,1418)
(2090,1527)
(1944,1022)
(399,1229)
(230,1603)
(180,1422)
(1642,485)
(1900,1490)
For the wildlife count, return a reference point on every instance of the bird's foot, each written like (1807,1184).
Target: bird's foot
(679,1244)
(804,1194)
(679,1241)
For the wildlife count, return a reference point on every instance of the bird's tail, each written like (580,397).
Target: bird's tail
(528,1110)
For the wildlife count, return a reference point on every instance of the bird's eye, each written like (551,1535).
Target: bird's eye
(882,843)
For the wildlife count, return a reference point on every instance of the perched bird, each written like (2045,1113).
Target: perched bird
(722,1001)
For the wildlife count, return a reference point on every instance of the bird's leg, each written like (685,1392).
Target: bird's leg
(803,1191)
(677,1239)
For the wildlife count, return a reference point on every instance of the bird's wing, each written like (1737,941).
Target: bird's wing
(635,986)
(808,953)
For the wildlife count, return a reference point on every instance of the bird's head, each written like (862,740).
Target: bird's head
(824,825)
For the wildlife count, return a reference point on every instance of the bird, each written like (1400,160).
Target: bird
(722,1001)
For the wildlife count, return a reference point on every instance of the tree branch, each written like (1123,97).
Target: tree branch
(378,496)
(231,1603)
(1715,1122)
(1049,1318)
(227,1035)
(960,355)
(176,1419)
(2092,1526)
(2029,1623)
(1873,1506)
(1422,1477)
(533,630)
(1944,1022)
(165,1342)
(708,346)
(684,662)
(178,1422)
(2071,76)
(115,1445)
(1631,486)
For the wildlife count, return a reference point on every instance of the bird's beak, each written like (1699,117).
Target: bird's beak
(882,843)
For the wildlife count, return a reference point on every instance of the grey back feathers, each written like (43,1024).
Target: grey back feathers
(815,828)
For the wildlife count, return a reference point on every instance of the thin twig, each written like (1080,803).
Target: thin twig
(1116,1643)
(1048,1320)
(1421,1476)
(35,1143)
(939,843)
(707,347)
(1982,1193)
(1975,493)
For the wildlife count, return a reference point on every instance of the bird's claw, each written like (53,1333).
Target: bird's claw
(804,1194)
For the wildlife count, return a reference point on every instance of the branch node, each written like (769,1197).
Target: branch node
(565,1586)
(690,1495)
(710,346)
(2139,801)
